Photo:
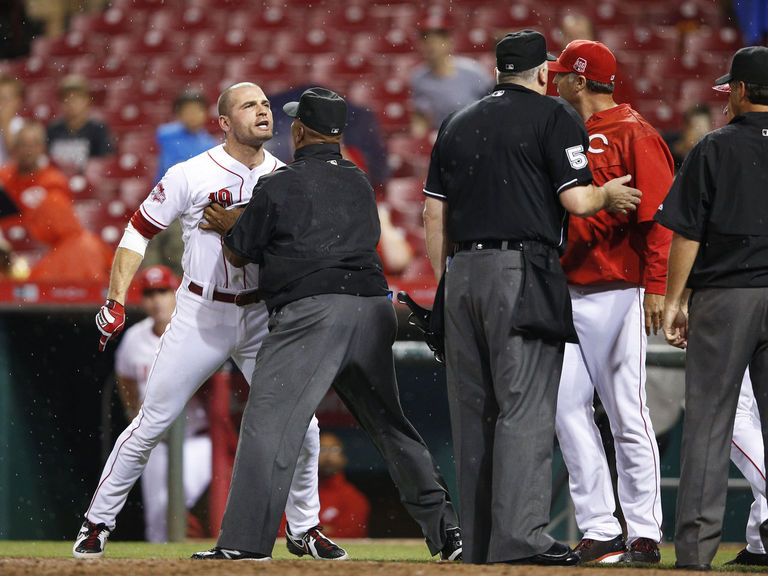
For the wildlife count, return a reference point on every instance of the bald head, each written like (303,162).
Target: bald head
(224,104)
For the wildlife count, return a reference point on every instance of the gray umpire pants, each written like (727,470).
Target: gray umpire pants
(313,343)
(502,391)
(728,331)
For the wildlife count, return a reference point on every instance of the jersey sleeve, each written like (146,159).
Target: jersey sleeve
(434,187)
(565,145)
(167,200)
(253,229)
(686,206)
(652,172)
(652,169)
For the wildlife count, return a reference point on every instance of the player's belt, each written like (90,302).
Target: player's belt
(239,299)
(488,245)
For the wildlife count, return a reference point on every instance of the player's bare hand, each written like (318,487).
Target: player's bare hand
(653,306)
(620,197)
(675,325)
(218,219)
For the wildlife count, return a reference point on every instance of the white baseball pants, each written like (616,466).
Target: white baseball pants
(201,336)
(609,358)
(747,453)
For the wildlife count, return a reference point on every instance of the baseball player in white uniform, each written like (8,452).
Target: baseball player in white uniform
(747,453)
(218,311)
(133,360)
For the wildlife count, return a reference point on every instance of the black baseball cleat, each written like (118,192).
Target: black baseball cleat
(219,553)
(452,548)
(314,543)
(557,555)
(91,540)
(747,558)
(603,551)
(642,551)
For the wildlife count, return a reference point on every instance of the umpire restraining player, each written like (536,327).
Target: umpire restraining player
(718,209)
(503,172)
(313,227)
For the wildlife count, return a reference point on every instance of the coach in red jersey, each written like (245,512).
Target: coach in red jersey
(617,267)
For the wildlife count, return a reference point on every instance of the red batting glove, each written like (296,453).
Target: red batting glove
(110,321)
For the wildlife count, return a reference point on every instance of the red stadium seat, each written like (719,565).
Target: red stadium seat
(660,113)
(707,40)
(513,16)
(110,22)
(231,41)
(474,39)
(149,43)
(408,156)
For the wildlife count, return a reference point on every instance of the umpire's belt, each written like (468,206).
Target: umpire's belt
(488,245)
(240,299)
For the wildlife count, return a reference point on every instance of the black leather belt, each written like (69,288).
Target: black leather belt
(239,299)
(489,245)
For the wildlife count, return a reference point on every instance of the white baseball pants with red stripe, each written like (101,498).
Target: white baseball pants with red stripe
(609,358)
(747,453)
(201,336)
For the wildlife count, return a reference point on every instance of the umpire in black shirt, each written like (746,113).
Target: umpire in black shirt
(718,265)
(502,174)
(313,228)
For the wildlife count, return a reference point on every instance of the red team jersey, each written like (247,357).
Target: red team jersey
(609,248)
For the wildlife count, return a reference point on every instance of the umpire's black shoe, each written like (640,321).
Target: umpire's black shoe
(604,551)
(558,555)
(747,558)
(314,543)
(219,553)
(453,545)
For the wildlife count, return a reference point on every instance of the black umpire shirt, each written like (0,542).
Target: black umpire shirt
(313,227)
(720,199)
(502,162)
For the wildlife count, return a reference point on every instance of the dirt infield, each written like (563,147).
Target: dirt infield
(115,567)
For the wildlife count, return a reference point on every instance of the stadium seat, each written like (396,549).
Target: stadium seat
(408,156)
(707,40)
(230,41)
(110,22)
(662,114)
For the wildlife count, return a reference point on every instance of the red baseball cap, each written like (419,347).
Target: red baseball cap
(157,278)
(590,59)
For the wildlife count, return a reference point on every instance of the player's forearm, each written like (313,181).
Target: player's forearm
(434,229)
(682,254)
(124,267)
(583,201)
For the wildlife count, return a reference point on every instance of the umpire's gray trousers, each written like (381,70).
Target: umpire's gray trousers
(319,341)
(502,391)
(728,331)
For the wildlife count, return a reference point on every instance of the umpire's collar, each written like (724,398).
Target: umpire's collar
(326,151)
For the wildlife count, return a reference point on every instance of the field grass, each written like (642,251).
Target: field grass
(375,550)
(364,550)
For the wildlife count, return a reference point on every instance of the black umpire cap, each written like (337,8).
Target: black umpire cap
(521,51)
(320,109)
(749,65)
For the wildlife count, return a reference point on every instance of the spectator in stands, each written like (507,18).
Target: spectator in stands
(11,90)
(575,26)
(697,121)
(133,359)
(178,141)
(41,193)
(444,82)
(186,136)
(344,510)
(77,136)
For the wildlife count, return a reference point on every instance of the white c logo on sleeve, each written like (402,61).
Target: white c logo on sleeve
(598,137)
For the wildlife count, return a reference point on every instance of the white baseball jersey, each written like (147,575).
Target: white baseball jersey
(133,359)
(183,193)
(203,333)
